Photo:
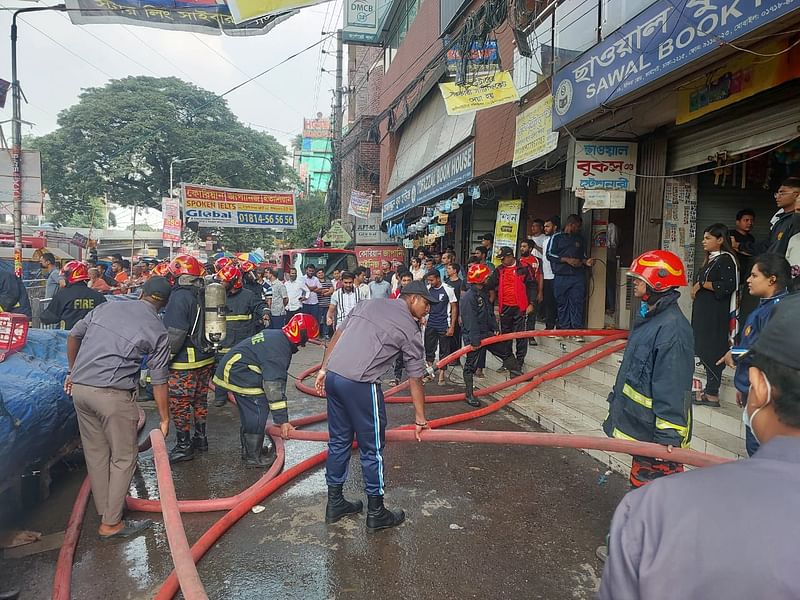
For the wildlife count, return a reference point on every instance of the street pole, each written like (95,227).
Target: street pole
(133,238)
(337,131)
(16,136)
(171,185)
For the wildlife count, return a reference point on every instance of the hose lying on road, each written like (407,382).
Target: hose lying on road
(240,504)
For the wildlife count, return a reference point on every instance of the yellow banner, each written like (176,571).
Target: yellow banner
(506,227)
(534,134)
(246,10)
(739,77)
(482,92)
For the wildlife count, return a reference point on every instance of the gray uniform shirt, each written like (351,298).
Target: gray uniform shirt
(115,337)
(375,332)
(729,531)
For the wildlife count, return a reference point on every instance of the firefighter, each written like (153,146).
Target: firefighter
(256,370)
(244,317)
(479,323)
(162,270)
(221,262)
(13,295)
(250,281)
(651,399)
(75,300)
(191,364)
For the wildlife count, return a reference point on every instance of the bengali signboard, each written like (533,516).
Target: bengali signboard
(360,204)
(200,16)
(453,170)
(668,35)
(482,92)
(604,166)
(372,256)
(369,231)
(534,133)
(363,21)
(506,227)
(172,227)
(337,236)
(31,172)
(211,206)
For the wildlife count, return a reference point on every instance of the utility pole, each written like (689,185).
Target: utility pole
(171,195)
(16,136)
(336,175)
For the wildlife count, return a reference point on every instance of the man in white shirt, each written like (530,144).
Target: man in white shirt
(539,237)
(343,301)
(313,285)
(361,283)
(548,309)
(297,291)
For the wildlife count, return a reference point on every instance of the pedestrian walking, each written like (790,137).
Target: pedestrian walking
(728,531)
(324,298)
(359,354)
(479,323)
(441,325)
(13,295)
(75,300)
(191,364)
(256,370)
(714,309)
(105,351)
(343,301)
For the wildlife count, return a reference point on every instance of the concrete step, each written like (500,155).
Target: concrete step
(578,404)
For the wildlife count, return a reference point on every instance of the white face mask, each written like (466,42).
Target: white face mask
(748,418)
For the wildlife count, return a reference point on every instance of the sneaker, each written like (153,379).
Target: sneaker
(602,553)
(393,382)
(502,370)
(533,342)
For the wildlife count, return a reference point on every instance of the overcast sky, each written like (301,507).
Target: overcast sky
(52,77)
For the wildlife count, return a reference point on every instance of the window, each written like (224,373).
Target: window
(576,29)
(398,29)
(618,12)
(528,72)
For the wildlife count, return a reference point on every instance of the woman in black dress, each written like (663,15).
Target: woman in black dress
(713,295)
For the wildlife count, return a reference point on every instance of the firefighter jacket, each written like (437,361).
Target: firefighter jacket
(183,321)
(244,317)
(477,316)
(259,365)
(13,295)
(651,399)
(71,304)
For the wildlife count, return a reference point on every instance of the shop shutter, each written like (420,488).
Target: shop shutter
(760,128)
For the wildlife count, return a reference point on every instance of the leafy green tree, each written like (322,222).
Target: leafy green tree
(311,217)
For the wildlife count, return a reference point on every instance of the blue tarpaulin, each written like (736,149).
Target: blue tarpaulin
(36,417)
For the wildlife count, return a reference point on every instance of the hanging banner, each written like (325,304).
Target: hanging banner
(360,204)
(171,215)
(364,20)
(31,173)
(211,206)
(604,166)
(200,16)
(482,92)
(247,10)
(506,227)
(739,77)
(534,133)
(601,199)
(483,58)
(373,256)
(668,35)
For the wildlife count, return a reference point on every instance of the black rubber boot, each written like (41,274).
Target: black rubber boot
(380,517)
(512,365)
(469,393)
(338,507)
(200,441)
(268,447)
(183,450)
(252,448)
(241,441)
(220,396)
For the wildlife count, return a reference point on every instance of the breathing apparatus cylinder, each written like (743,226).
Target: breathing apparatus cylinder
(215,323)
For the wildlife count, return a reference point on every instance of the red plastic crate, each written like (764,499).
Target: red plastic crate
(13,333)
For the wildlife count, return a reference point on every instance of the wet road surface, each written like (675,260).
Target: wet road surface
(482,522)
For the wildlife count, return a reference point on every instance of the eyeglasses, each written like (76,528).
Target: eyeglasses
(776,194)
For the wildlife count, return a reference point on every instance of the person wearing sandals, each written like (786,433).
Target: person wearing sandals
(768,281)
(714,308)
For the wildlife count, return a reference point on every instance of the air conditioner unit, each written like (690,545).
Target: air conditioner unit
(624,295)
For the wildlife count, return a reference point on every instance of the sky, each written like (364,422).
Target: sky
(56,60)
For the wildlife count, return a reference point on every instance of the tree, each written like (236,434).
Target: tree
(118,141)
(311,217)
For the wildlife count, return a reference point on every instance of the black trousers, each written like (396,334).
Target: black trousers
(512,320)
(473,360)
(436,338)
(549,309)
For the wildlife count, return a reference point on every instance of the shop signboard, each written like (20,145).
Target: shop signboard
(601,199)
(364,20)
(604,166)
(211,206)
(482,58)
(319,128)
(337,235)
(453,170)
(372,256)
(32,200)
(739,77)
(369,231)
(171,214)
(484,91)
(506,227)
(360,204)
(668,35)
(534,132)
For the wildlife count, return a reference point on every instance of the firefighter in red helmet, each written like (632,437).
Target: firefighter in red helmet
(256,370)
(75,300)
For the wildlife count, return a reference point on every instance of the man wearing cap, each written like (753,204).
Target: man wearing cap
(728,531)
(360,352)
(104,352)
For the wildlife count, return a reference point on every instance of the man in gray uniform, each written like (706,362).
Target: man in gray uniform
(729,531)
(105,351)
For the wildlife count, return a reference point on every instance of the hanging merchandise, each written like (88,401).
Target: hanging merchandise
(442,220)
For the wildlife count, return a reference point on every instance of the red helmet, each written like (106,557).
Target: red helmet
(161,269)
(230,274)
(221,262)
(478,273)
(660,269)
(301,328)
(186,264)
(75,271)
(246,266)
